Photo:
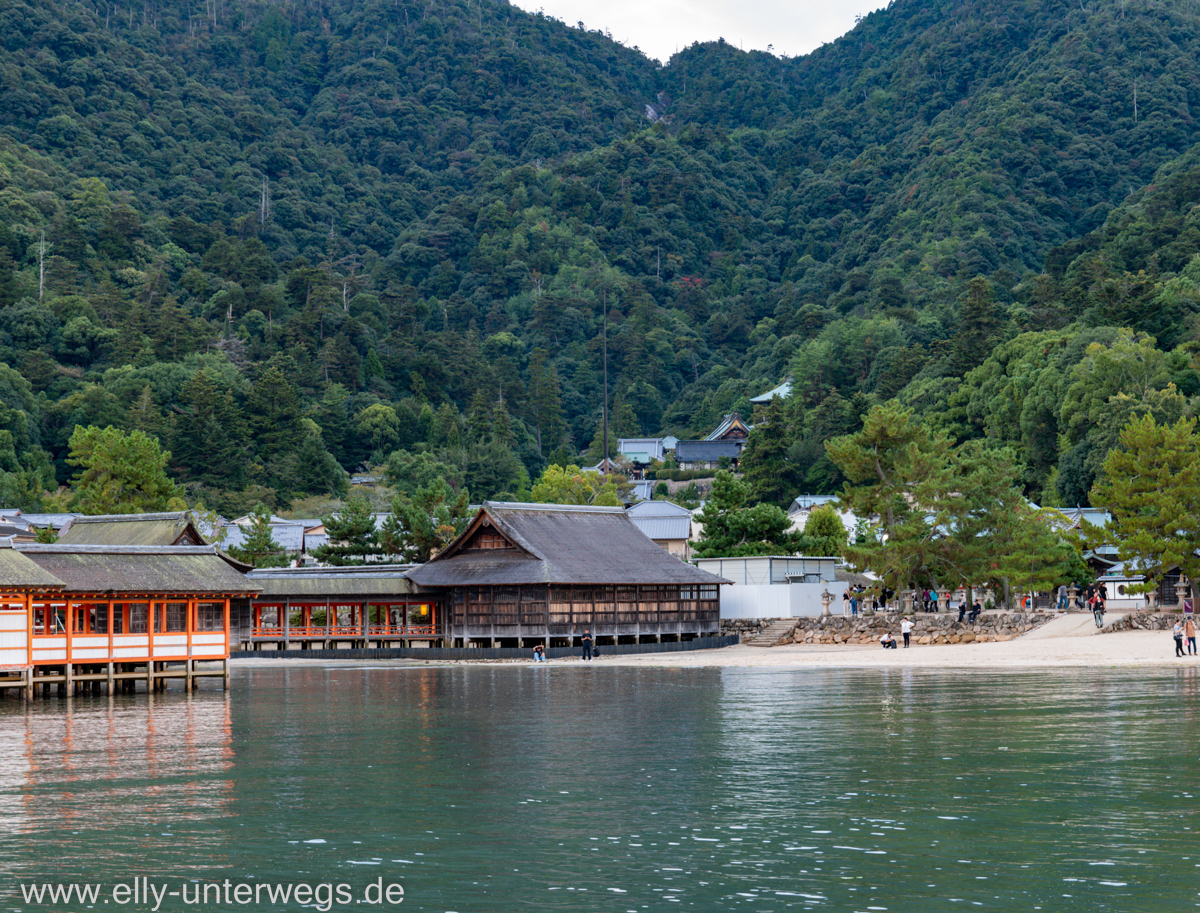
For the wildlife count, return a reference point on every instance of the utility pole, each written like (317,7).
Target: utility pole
(604,345)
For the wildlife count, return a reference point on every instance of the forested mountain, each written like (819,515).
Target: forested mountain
(291,239)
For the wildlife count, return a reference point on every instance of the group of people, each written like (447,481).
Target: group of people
(539,652)
(857,597)
(889,643)
(1094,597)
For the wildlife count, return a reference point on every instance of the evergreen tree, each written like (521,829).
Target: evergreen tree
(545,402)
(120,473)
(734,529)
(208,438)
(764,462)
(824,533)
(1151,485)
(422,525)
(888,466)
(352,534)
(259,547)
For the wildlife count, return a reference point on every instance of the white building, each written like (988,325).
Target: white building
(776,586)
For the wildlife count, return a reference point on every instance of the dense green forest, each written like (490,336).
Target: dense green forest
(293,239)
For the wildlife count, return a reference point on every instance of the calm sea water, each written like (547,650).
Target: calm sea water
(507,788)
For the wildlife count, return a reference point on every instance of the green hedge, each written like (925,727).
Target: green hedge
(682,475)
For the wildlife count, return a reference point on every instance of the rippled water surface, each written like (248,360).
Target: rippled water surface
(498,788)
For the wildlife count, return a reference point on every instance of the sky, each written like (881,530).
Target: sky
(662,27)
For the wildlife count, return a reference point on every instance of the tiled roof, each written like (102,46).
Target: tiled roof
(133,529)
(379,580)
(138,569)
(558,544)
(707,451)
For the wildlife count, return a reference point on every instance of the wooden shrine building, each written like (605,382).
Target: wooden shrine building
(83,616)
(372,605)
(522,574)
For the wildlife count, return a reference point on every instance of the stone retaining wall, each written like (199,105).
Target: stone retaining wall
(745,628)
(928,629)
(1144,621)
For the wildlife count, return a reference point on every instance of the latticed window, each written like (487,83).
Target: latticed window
(176,616)
(139,616)
(210,616)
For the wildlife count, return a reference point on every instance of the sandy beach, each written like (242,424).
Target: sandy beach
(1127,648)
(1032,652)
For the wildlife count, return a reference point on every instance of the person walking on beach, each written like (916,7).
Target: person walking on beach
(587,644)
(1177,633)
(1062,597)
(1098,607)
(1189,634)
(906,627)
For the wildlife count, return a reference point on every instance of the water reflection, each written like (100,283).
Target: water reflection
(568,788)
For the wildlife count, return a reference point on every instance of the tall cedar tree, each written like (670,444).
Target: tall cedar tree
(208,440)
(764,461)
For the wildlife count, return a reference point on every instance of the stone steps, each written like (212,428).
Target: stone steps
(769,635)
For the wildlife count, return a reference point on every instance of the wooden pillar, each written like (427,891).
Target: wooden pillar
(287,620)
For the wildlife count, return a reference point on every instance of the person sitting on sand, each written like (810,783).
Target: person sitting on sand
(887,641)
(539,653)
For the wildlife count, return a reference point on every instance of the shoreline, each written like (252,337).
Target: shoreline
(1125,649)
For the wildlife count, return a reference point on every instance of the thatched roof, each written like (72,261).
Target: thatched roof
(18,573)
(512,544)
(382,581)
(139,569)
(175,528)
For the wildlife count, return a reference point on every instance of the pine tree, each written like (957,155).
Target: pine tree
(1151,484)
(260,548)
(352,534)
(888,466)
(120,473)
(422,525)
(731,528)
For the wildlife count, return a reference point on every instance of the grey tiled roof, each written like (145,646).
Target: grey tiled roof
(381,580)
(133,529)
(138,569)
(707,451)
(559,544)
